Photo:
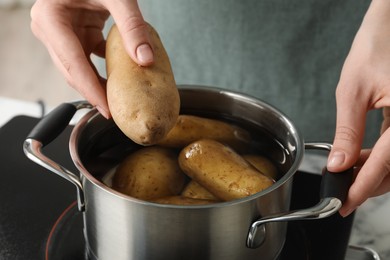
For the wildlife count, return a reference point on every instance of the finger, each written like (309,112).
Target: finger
(133,30)
(386,119)
(364,154)
(372,179)
(383,188)
(100,49)
(350,126)
(68,55)
(90,85)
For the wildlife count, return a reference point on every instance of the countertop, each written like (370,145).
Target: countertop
(371,228)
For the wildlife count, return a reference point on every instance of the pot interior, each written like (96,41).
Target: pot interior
(97,145)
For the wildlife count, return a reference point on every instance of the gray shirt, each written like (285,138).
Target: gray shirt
(288,53)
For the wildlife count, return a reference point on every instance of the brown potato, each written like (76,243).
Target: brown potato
(262,164)
(180,200)
(149,173)
(196,191)
(144,101)
(190,128)
(221,170)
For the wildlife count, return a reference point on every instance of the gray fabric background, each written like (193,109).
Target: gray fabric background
(288,53)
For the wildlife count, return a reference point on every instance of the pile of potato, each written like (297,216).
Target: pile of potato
(197,163)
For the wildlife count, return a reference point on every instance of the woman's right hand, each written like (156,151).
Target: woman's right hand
(364,85)
(71,30)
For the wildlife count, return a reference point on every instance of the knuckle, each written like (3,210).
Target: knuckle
(35,20)
(34,13)
(38,11)
(67,70)
(346,134)
(133,23)
(65,63)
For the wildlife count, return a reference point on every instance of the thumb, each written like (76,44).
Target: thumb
(133,29)
(350,125)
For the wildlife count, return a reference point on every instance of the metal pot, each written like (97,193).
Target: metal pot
(120,227)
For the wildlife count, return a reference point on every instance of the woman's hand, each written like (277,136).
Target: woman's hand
(71,30)
(364,85)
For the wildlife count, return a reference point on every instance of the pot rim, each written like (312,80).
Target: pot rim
(89,116)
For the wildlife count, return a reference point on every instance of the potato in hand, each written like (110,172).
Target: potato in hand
(144,101)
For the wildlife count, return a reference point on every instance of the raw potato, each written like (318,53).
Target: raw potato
(221,170)
(196,191)
(149,173)
(180,200)
(262,164)
(190,128)
(144,101)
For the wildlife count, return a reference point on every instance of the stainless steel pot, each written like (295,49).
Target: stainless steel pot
(120,227)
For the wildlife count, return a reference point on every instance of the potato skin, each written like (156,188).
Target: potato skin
(221,170)
(262,164)
(144,101)
(196,191)
(149,173)
(189,128)
(180,200)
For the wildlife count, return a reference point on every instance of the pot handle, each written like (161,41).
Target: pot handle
(333,193)
(47,129)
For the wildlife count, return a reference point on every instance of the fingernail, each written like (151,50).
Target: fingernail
(103,112)
(336,159)
(346,212)
(145,53)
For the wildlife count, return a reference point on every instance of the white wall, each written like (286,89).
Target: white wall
(16,3)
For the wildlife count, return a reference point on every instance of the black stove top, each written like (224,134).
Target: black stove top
(39,217)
